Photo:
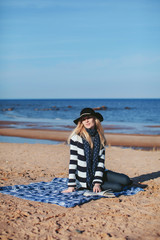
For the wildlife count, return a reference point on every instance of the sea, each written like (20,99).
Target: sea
(129,116)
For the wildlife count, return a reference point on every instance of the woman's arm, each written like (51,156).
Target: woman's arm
(73,163)
(98,177)
(72,167)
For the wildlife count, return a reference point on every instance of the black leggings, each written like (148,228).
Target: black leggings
(115,181)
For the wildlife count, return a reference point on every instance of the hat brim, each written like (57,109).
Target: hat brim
(97,115)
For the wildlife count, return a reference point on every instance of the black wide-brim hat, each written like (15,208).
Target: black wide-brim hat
(88,112)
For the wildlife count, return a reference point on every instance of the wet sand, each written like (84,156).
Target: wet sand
(127,140)
(127,217)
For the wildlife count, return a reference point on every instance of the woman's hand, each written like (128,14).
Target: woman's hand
(68,190)
(97,188)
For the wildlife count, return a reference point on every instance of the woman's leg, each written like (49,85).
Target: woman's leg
(116,187)
(115,177)
(115,181)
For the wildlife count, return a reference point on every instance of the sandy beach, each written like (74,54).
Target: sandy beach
(126,217)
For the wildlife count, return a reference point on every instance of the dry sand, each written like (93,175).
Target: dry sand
(127,217)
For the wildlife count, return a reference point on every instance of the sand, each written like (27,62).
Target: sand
(127,217)
(127,140)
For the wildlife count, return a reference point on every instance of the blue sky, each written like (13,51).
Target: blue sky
(79,49)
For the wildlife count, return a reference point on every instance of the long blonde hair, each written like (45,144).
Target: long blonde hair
(81,131)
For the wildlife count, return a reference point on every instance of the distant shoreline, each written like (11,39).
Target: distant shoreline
(110,128)
(122,116)
(127,140)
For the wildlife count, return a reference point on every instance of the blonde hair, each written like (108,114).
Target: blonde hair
(81,131)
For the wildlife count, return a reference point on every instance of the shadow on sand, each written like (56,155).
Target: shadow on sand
(145,177)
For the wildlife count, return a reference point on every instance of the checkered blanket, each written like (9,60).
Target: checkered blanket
(51,192)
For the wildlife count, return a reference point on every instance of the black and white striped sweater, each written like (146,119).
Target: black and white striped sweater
(78,164)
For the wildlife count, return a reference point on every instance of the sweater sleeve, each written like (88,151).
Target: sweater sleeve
(73,163)
(98,177)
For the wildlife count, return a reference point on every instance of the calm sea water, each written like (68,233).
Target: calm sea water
(140,116)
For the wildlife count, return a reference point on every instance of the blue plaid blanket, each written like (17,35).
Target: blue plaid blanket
(51,192)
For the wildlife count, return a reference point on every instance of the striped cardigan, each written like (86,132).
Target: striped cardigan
(78,164)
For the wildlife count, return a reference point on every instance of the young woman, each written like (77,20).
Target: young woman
(87,157)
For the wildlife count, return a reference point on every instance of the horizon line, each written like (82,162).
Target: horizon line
(77,98)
